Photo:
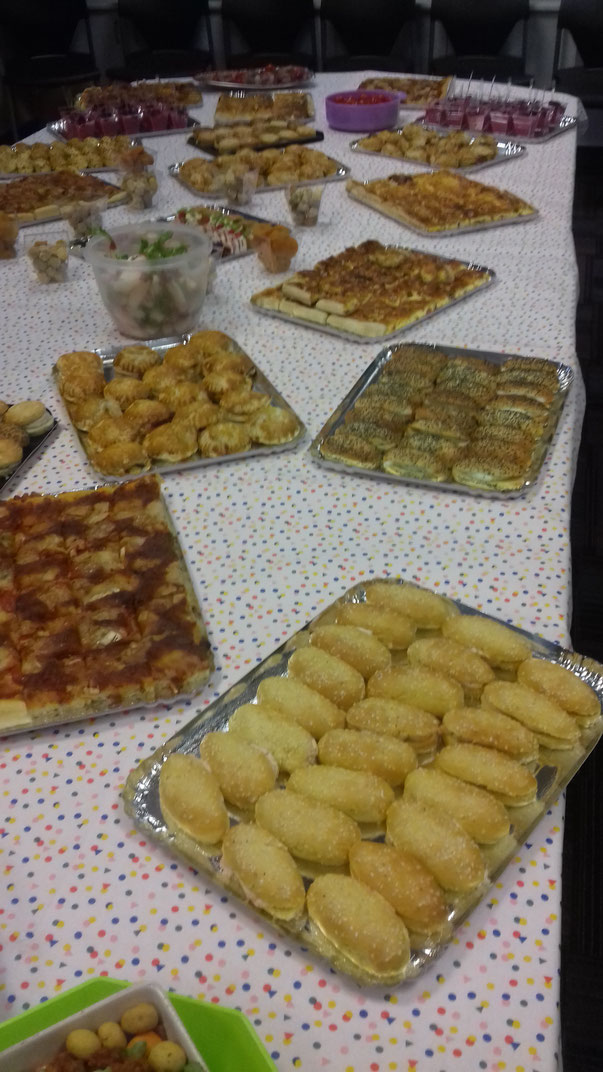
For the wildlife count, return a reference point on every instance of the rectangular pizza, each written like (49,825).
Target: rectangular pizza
(41,196)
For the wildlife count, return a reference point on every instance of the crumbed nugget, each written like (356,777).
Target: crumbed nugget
(355,646)
(481,816)
(408,886)
(553,726)
(492,729)
(511,782)
(455,660)
(359,923)
(425,608)
(310,830)
(363,796)
(341,683)
(418,686)
(303,705)
(395,719)
(439,842)
(260,724)
(242,770)
(264,869)
(392,629)
(495,642)
(190,799)
(560,684)
(363,750)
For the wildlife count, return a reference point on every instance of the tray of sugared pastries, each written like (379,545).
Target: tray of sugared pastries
(24,427)
(363,786)
(176,403)
(466,420)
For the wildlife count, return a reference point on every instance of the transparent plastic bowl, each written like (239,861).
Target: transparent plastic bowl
(151,298)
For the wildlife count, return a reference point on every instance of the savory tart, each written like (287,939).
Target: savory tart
(417,91)
(41,197)
(249,107)
(275,167)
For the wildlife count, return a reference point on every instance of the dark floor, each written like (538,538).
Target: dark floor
(582,917)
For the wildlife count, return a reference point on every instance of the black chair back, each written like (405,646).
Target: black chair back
(268,26)
(164,24)
(39,27)
(366,26)
(479,27)
(583,19)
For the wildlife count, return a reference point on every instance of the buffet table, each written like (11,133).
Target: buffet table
(269,543)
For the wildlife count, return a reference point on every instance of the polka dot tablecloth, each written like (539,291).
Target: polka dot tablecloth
(269,543)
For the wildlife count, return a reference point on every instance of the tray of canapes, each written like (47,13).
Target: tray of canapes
(270,76)
(372,291)
(263,134)
(39,198)
(231,231)
(441,202)
(173,404)
(526,120)
(240,107)
(459,150)
(415,90)
(24,428)
(456,419)
(276,169)
(366,783)
(91,154)
(99,612)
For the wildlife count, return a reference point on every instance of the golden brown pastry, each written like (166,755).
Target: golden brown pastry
(310,830)
(135,360)
(363,750)
(478,812)
(391,628)
(355,646)
(263,870)
(290,744)
(11,454)
(222,361)
(172,442)
(363,796)
(175,395)
(14,433)
(111,430)
(426,609)
(396,719)
(218,383)
(341,683)
(121,458)
(455,660)
(273,425)
(242,770)
(184,358)
(492,729)
(507,779)
(31,415)
(243,403)
(123,390)
(303,705)
(191,800)
(161,376)
(492,640)
(80,384)
(145,414)
(199,414)
(553,727)
(78,361)
(560,684)
(419,687)
(224,437)
(208,342)
(350,449)
(439,842)
(408,886)
(89,412)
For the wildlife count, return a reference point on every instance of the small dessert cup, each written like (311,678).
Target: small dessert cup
(304,204)
(49,258)
(9,233)
(129,122)
(239,185)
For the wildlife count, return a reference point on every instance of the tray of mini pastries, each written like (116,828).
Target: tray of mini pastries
(24,428)
(363,786)
(175,403)
(462,420)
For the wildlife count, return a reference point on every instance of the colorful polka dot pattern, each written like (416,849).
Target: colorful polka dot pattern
(269,543)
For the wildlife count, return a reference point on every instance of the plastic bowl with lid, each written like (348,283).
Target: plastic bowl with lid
(152,277)
(362,109)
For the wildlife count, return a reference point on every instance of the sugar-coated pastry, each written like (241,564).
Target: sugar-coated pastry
(111,430)
(11,454)
(135,360)
(264,870)
(310,830)
(363,750)
(303,705)
(359,923)
(190,799)
(32,416)
(425,608)
(455,660)
(199,413)
(172,442)
(355,646)
(439,842)
(396,719)
(364,797)
(328,675)
(563,686)
(497,643)
(242,770)
(223,437)
(391,628)
(492,729)
(501,775)
(290,744)
(145,414)
(417,686)
(408,886)
(478,812)
(272,426)
(121,458)
(123,390)
(89,412)
(553,727)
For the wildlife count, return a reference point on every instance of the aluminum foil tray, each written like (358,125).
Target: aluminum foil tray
(343,172)
(567,122)
(505,152)
(230,120)
(259,146)
(56,129)
(225,254)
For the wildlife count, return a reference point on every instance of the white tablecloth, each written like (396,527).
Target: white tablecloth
(270,542)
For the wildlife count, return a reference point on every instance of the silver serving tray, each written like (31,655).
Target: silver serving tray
(444,232)
(82,171)
(343,172)
(553,771)
(115,199)
(216,83)
(505,151)
(56,129)
(352,337)
(566,123)
(402,104)
(217,247)
(232,120)
(371,375)
(161,346)
(30,451)
(259,147)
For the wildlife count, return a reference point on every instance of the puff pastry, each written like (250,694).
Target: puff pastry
(507,779)
(408,886)
(478,812)
(439,842)
(553,727)
(561,685)
(264,870)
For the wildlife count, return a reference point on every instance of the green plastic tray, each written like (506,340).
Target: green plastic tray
(224,1037)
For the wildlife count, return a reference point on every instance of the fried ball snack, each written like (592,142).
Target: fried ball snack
(264,869)
(419,687)
(408,886)
(362,750)
(494,641)
(359,923)
(291,745)
(328,675)
(364,797)
(391,628)
(191,800)
(310,830)
(439,842)
(426,609)
(563,686)
(395,719)
(507,779)
(492,729)
(242,770)
(478,812)
(448,657)
(553,727)
(294,700)
(355,646)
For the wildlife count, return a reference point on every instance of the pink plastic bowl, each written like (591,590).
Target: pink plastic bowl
(359,110)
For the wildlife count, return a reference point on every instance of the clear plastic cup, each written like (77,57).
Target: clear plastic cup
(239,185)
(129,122)
(499,120)
(304,204)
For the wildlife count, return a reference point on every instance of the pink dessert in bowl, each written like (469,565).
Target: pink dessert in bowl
(362,109)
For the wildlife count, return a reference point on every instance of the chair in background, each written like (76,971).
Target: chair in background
(274,31)
(158,38)
(376,34)
(477,31)
(41,69)
(583,20)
